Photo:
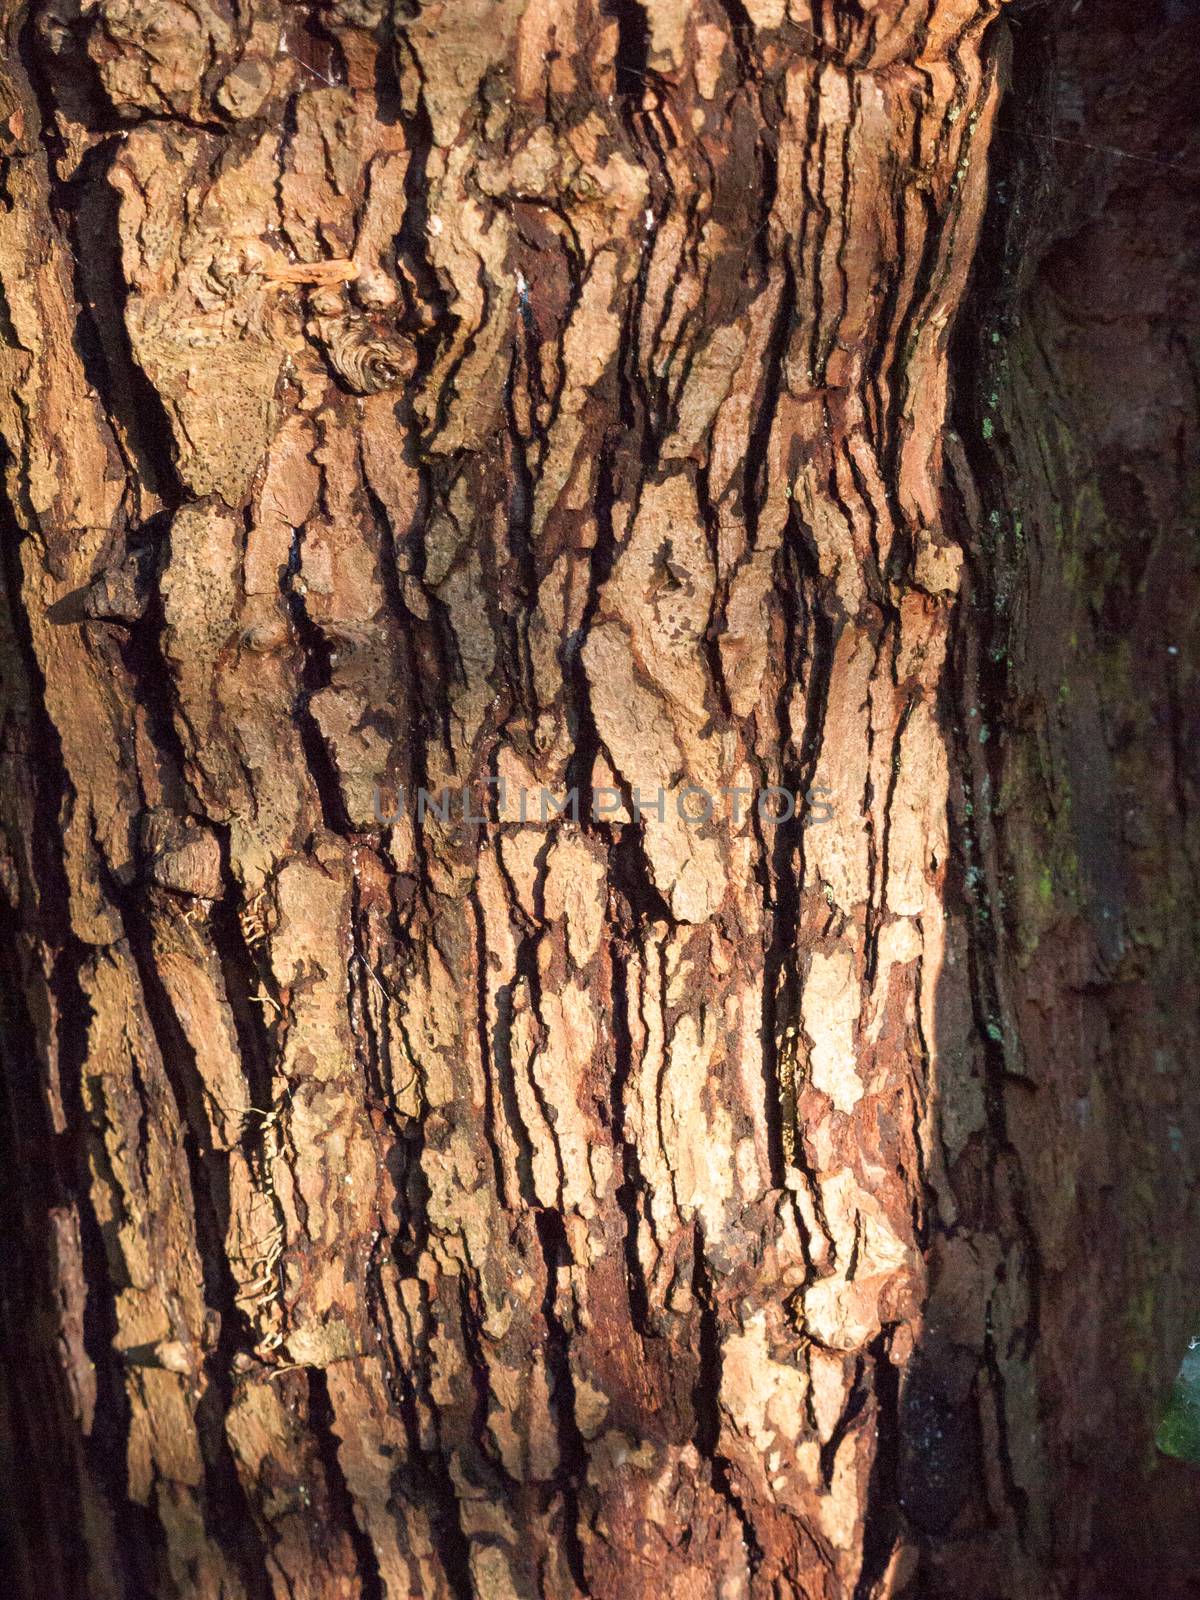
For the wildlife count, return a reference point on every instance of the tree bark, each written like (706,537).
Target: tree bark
(414,412)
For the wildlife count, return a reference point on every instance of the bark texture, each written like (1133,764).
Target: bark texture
(418,396)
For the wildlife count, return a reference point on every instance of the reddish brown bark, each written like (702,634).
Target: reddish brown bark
(639,397)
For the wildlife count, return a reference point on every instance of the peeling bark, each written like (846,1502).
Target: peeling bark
(468,401)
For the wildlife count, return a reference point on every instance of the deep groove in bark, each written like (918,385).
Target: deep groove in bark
(341,1501)
(597,394)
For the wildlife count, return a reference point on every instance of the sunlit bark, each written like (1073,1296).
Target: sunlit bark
(488,400)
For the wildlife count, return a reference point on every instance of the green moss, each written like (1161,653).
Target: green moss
(1179,1432)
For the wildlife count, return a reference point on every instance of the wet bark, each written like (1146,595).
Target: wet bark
(444,1196)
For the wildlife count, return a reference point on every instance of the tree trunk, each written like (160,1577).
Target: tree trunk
(421,1183)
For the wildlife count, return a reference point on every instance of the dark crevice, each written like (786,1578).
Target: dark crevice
(140,1543)
(151,678)
(743,32)
(630,1191)
(711,642)
(316,674)
(495,1054)
(573,1461)
(85,209)
(428,1482)
(427,303)
(807,626)
(341,1502)
(242,974)
(706,1402)
(881,1521)
(633,46)
(63,1163)
(517,592)
(585,737)
(850,1413)
(226,1509)
(39,1428)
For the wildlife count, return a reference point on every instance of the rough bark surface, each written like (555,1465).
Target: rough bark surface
(557,392)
